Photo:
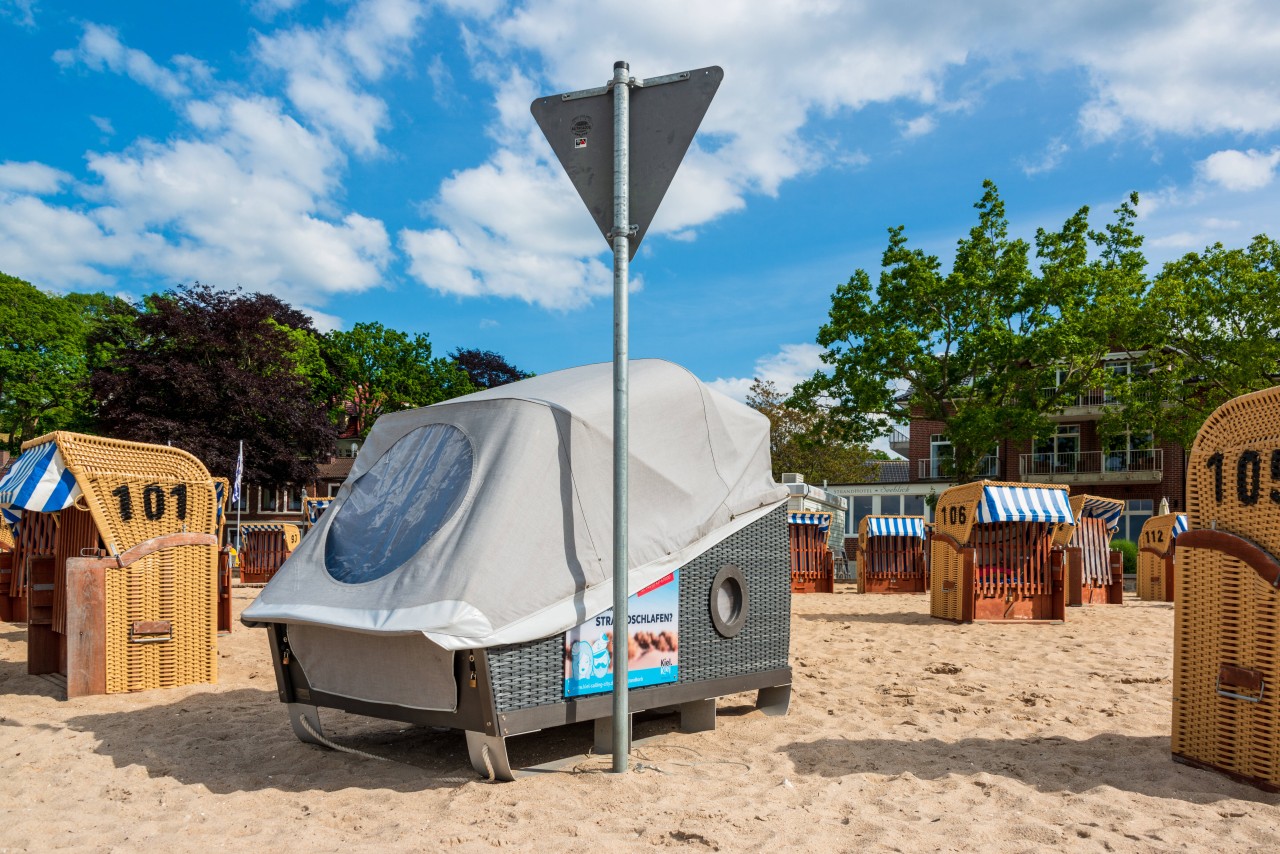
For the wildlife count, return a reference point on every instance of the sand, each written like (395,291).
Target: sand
(905,734)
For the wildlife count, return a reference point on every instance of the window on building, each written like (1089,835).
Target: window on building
(1130,451)
(861,507)
(333,489)
(1136,513)
(890,505)
(293,499)
(242,505)
(941,456)
(913,505)
(268,500)
(1058,452)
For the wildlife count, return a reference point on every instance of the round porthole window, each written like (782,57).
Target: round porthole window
(729,601)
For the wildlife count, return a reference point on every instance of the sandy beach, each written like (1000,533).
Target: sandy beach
(905,734)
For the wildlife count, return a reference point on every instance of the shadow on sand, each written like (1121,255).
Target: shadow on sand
(1054,764)
(230,741)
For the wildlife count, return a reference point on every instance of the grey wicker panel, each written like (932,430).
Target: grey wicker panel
(531,674)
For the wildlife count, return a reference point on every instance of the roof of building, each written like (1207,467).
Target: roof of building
(336,469)
(892,471)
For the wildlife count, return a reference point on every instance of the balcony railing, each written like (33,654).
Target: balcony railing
(899,441)
(1099,397)
(945,469)
(1092,465)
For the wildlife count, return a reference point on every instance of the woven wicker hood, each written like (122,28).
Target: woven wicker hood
(487,519)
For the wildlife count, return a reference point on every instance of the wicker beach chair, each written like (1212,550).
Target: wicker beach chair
(313,509)
(264,548)
(1095,571)
(1226,665)
(1156,547)
(891,555)
(993,554)
(117,556)
(813,567)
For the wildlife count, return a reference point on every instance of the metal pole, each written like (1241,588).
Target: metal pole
(239,544)
(621,255)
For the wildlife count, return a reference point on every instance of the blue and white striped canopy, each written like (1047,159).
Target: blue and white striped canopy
(39,481)
(219,498)
(822,520)
(1100,508)
(1179,524)
(894,526)
(315,508)
(1024,504)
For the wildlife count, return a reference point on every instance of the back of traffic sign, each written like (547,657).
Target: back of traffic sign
(665,114)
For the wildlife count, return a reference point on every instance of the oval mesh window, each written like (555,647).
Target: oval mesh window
(397,506)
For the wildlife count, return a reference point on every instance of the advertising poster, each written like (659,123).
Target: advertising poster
(652,643)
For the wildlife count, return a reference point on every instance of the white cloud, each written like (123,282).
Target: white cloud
(1049,158)
(324,68)
(268,9)
(100,49)
(31,178)
(1240,170)
(103,124)
(789,366)
(22,12)
(246,194)
(919,126)
(789,63)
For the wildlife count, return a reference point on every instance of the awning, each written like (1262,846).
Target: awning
(1106,509)
(1024,504)
(1179,524)
(894,526)
(822,520)
(39,481)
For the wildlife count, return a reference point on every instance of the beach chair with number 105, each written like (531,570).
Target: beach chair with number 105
(1226,636)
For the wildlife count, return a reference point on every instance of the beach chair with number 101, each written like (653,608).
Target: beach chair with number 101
(116,553)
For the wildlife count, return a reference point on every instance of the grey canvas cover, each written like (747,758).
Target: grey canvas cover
(488,519)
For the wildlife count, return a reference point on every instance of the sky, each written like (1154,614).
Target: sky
(377,160)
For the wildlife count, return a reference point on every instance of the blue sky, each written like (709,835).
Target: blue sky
(377,160)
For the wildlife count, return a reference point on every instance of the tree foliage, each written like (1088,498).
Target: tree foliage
(1211,324)
(205,369)
(381,370)
(42,361)
(989,348)
(800,442)
(486,368)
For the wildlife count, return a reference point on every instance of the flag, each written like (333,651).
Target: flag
(235,487)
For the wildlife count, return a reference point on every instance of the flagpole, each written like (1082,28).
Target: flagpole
(239,468)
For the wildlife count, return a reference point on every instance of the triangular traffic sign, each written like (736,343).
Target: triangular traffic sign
(665,114)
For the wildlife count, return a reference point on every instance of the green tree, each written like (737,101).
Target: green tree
(799,441)
(42,361)
(1212,327)
(990,348)
(381,370)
